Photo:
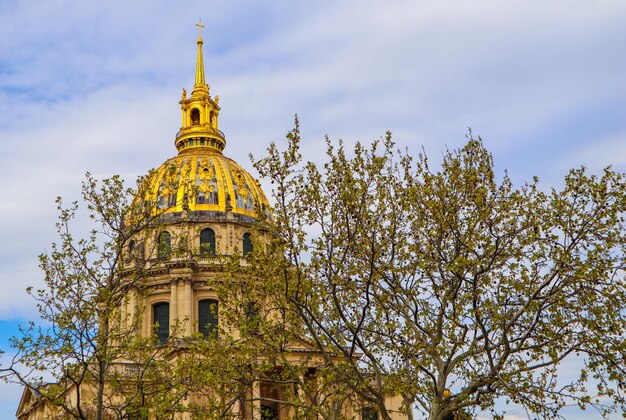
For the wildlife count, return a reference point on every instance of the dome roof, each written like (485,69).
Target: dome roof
(200,179)
(204,181)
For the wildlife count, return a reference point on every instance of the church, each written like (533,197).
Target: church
(208,207)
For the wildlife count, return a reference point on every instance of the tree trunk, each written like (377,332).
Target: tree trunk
(435,411)
(100,400)
(102,363)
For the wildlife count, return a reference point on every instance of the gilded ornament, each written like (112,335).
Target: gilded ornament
(239,181)
(206,175)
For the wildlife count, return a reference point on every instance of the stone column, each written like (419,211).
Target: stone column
(132,310)
(173,305)
(187,306)
(256,400)
(125,322)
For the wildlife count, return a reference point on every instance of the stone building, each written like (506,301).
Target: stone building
(208,207)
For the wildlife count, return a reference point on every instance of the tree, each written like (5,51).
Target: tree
(89,358)
(270,344)
(450,287)
(85,359)
(377,277)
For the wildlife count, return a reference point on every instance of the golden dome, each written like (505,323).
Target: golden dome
(200,179)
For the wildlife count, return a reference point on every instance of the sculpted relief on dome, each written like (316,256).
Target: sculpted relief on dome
(209,182)
(206,182)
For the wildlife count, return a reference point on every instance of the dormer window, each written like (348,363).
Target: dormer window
(195,116)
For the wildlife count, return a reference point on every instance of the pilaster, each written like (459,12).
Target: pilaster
(173,305)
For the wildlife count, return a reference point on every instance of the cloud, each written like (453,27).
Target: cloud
(89,88)
(93,86)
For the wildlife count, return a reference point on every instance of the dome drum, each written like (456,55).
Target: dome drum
(188,140)
(203,216)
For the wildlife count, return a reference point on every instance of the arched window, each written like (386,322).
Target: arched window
(161,321)
(369,413)
(164,244)
(247,244)
(195,116)
(207,242)
(212,119)
(207,317)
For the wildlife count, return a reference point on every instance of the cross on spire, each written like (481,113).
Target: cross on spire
(200,26)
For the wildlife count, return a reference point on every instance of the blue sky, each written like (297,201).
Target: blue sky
(94,86)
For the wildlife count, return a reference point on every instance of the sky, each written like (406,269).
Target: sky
(94,86)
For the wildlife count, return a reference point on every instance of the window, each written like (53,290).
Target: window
(369,413)
(268,412)
(247,244)
(207,317)
(207,242)
(135,251)
(164,245)
(195,116)
(161,321)
(250,324)
(252,310)
(134,412)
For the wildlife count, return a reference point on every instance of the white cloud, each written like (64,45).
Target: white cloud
(94,86)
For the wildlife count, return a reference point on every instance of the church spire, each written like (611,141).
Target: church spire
(200,60)
(199,131)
